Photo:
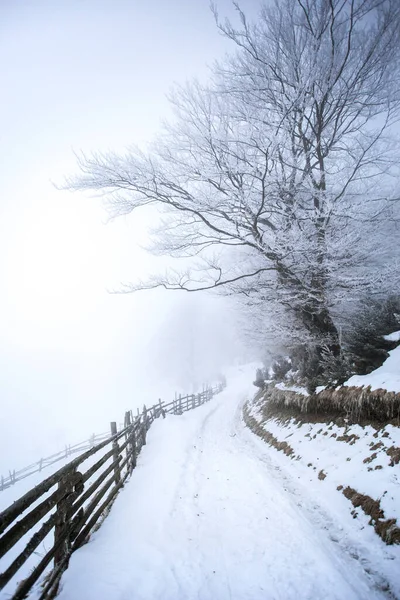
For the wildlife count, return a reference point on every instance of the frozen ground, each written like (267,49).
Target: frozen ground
(209,515)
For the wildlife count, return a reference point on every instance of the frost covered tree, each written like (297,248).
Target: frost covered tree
(278,177)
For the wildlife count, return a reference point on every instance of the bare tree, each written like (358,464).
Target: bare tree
(272,178)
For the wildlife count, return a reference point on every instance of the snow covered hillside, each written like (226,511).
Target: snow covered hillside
(212,513)
(387,376)
(353,469)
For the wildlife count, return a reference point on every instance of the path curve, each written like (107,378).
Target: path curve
(204,517)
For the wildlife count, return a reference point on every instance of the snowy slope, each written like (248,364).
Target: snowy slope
(387,376)
(206,516)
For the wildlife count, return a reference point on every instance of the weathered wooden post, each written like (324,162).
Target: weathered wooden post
(162,411)
(134,451)
(144,425)
(61,536)
(131,447)
(193,401)
(127,425)
(115,447)
(199,399)
(59,527)
(180,404)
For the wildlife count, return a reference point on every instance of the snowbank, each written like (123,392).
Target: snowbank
(386,377)
(327,459)
(292,388)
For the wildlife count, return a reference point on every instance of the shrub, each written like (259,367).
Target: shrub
(260,378)
(280,367)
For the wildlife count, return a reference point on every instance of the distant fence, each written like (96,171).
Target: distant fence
(14,476)
(81,499)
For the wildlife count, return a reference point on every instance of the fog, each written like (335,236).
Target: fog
(91,75)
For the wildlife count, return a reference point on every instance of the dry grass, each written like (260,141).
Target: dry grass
(370,458)
(387,529)
(394,454)
(257,428)
(345,405)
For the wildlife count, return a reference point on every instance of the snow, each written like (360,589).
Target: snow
(322,447)
(392,337)
(386,377)
(291,388)
(205,516)
(320,388)
(342,463)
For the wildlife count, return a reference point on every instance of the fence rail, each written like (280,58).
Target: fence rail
(71,502)
(37,467)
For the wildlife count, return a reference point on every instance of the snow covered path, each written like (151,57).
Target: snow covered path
(204,517)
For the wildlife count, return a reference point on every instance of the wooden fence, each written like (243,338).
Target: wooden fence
(14,476)
(67,506)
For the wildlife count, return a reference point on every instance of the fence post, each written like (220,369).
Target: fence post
(144,425)
(61,536)
(180,404)
(117,470)
(199,399)
(193,401)
(134,451)
(131,447)
(127,423)
(59,527)
(162,411)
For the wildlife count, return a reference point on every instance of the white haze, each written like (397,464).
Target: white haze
(90,75)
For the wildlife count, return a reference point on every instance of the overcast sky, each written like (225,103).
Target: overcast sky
(90,75)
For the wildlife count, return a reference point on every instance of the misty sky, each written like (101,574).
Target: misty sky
(90,75)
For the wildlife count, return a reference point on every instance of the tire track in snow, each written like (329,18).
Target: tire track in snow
(204,517)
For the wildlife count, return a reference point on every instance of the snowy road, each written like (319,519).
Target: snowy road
(204,517)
